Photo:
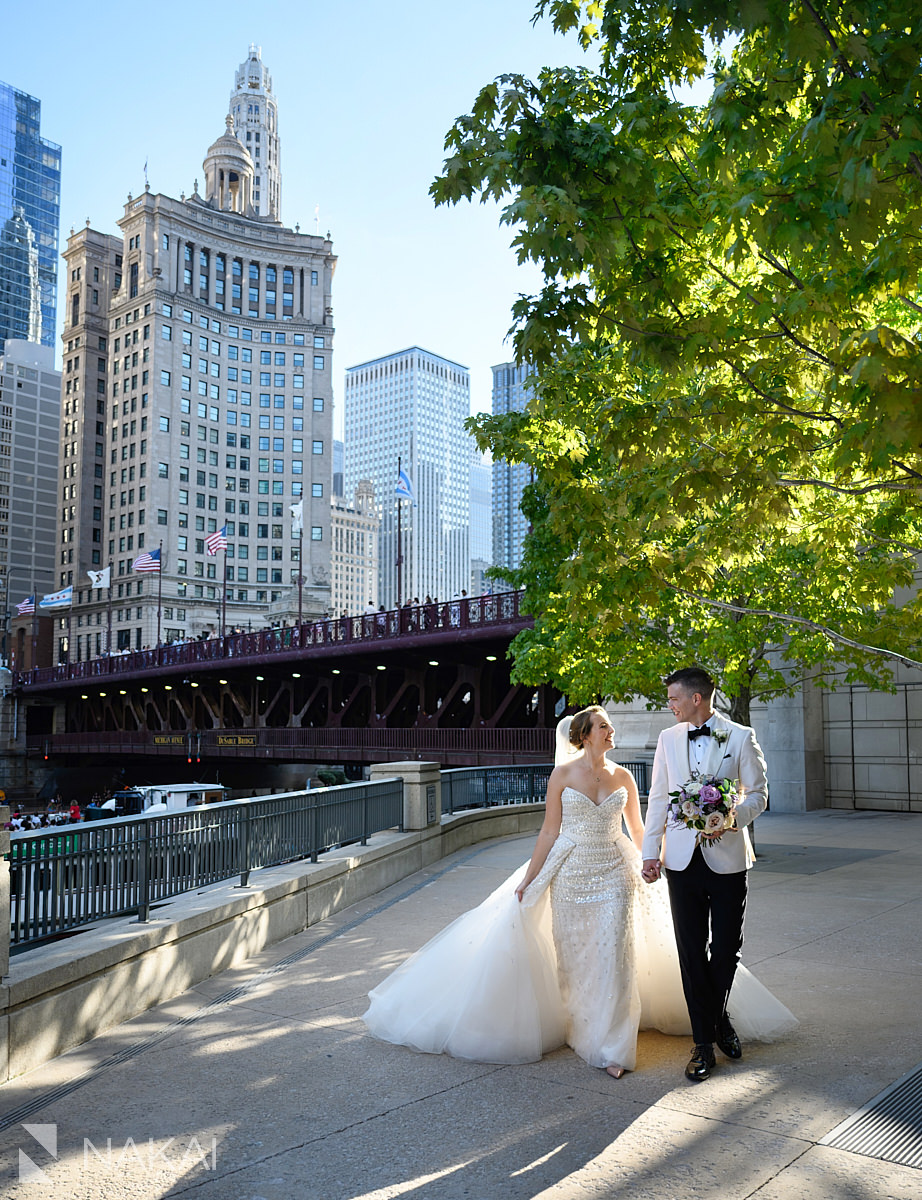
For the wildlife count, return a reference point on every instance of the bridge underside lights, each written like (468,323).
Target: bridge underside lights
(360,690)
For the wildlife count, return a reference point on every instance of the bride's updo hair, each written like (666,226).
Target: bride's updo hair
(581,725)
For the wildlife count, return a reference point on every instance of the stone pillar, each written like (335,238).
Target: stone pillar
(4,893)
(790,732)
(422,791)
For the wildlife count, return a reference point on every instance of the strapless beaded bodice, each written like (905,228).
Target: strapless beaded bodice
(588,823)
(598,867)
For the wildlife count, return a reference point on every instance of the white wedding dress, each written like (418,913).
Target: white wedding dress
(586,959)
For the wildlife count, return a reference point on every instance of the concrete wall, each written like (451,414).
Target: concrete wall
(874,746)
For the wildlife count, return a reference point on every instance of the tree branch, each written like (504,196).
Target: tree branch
(775,402)
(803,622)
(885,485)
(782,269)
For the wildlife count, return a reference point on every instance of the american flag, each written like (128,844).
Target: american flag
(147,562)
(24,607)
(216,542)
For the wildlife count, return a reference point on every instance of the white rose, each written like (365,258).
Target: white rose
(714,823)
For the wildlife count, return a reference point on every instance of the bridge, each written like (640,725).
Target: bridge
(428,681)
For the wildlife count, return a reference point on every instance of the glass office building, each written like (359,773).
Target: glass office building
(510,394)
(30,203)
(412,406)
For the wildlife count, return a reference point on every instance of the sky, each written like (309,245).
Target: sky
(366,93)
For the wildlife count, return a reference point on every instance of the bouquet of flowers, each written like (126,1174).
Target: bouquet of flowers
(706,804)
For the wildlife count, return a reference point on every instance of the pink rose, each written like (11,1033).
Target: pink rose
(714,823)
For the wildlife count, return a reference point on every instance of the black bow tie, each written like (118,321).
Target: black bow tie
(701,731)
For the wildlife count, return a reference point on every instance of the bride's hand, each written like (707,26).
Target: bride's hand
(520,891)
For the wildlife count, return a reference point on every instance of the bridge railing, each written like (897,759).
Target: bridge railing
(482,787)
(473,612)
(69,876)
(332,742)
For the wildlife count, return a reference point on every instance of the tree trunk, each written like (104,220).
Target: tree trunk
(739,706)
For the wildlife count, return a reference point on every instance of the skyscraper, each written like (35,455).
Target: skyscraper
(481,521)
(30,201)
(509,479)
(412,406)
(199,347)
(30,404)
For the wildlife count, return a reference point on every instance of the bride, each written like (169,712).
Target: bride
(576,949)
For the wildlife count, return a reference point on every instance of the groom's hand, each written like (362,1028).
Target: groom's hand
(650,871)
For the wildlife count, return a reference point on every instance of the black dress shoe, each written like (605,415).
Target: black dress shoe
(701,1063)
(727,1040)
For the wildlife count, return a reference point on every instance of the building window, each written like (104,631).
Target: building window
(317,447)
(318,362)
(316,533)
(318,404)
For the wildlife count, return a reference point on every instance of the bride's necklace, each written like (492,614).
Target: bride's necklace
(597,776)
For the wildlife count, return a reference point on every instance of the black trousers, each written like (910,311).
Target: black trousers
(707,912)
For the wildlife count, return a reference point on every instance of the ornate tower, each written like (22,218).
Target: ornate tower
(229,174)
(254,112)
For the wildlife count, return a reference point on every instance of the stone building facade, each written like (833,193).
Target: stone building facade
(214,412)
(355,533)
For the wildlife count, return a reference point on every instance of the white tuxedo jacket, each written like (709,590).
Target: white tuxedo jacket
(739,757)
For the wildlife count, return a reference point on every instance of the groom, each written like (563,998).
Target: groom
(707,882)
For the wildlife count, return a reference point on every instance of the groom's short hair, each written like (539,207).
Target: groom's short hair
(693,679)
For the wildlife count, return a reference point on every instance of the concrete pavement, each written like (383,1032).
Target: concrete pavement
(261,1083)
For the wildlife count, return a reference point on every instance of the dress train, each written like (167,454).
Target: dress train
(489,986)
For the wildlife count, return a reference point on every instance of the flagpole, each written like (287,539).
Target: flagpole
(159,590)
(34,624)
(224,597)
(70,613)
(301,569)
(399,542)
(109,617)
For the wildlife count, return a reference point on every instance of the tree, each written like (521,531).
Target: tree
(726,427)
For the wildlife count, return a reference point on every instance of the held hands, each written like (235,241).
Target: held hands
(651,870)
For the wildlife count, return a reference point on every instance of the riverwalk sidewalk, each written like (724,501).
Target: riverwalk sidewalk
(261,1083)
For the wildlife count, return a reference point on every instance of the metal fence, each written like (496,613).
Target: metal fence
(482,787)
(62,878)
(66,877)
